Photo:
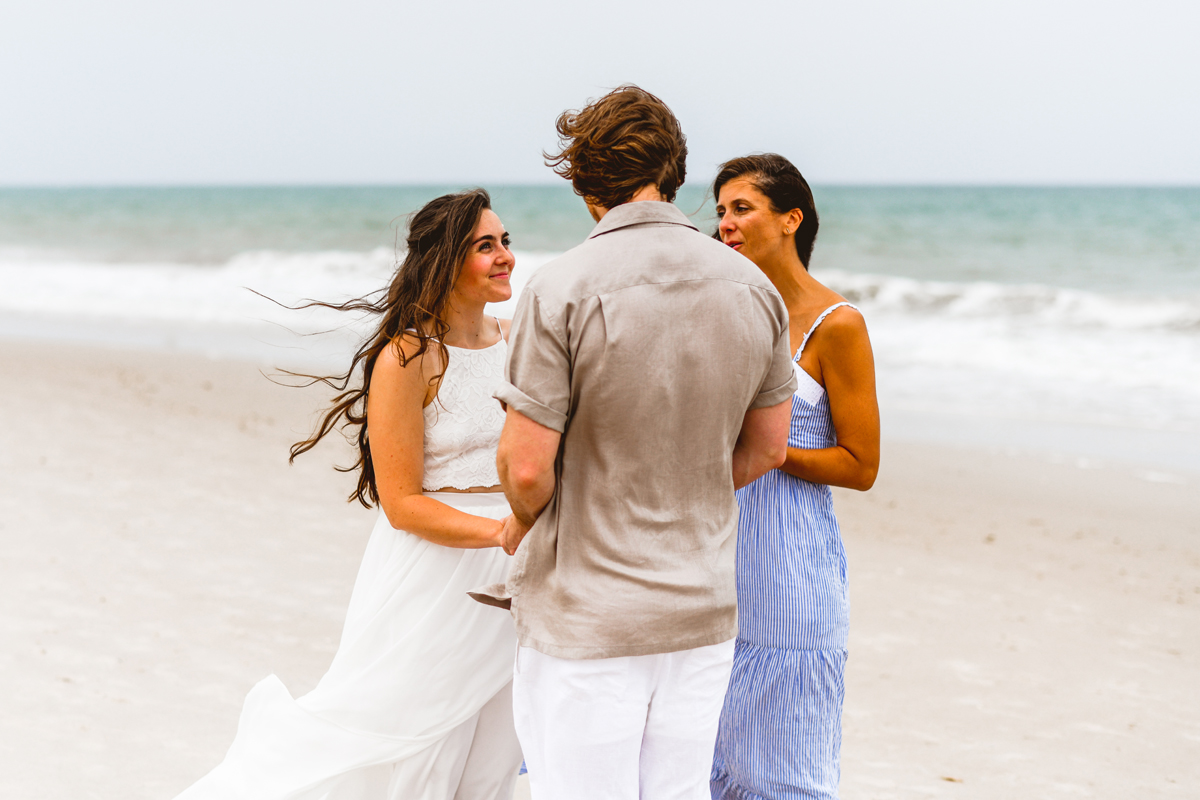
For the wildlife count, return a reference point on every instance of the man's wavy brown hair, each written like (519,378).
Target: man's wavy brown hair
(616,145)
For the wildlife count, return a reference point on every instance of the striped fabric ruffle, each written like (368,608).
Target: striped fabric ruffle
(781,727)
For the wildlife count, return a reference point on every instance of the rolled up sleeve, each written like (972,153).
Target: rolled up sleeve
(538,371)
(780,381)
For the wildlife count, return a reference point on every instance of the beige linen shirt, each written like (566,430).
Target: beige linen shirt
(644,346)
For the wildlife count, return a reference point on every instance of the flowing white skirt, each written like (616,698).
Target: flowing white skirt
(408,691)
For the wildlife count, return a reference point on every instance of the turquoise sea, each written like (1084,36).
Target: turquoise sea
(1104,238)
(1000,315)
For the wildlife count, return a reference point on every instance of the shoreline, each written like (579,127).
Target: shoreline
(1018,626)
(1147,452)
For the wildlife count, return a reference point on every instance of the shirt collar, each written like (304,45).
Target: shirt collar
(640,213)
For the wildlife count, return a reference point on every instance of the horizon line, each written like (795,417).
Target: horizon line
(449,184)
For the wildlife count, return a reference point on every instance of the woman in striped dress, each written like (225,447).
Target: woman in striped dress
(780,732)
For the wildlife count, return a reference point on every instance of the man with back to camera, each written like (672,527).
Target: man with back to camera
(649,375)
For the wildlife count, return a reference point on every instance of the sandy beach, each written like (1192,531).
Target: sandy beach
(1021,626)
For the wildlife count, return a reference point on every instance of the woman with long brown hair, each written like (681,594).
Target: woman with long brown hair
(417,702)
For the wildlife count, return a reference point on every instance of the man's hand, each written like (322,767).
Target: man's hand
(512,531)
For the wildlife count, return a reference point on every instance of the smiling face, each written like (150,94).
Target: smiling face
(751,226)
(488,265)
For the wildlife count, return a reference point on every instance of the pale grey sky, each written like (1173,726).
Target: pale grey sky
(366,91)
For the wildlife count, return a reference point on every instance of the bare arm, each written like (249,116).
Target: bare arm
(396,424)
(762,443)
(841,354)
(525,461)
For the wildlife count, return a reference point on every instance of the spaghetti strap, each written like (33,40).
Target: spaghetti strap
(820,319)
(501,327)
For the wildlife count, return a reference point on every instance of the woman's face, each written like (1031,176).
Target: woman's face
(488,265)
(749,225)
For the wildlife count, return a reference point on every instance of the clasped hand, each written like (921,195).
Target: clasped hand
(512,531)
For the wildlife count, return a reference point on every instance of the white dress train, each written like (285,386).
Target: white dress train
(417,702)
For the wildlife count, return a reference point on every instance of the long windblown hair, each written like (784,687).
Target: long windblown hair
(439,236)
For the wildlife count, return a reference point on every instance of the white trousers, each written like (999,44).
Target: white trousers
(620,728)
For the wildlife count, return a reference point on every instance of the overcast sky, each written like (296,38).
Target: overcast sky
(365,91)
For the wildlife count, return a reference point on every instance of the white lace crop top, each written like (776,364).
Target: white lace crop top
(463,423)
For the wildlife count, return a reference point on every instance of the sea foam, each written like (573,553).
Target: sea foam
(1015,351)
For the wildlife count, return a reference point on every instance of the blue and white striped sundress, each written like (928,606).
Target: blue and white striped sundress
(780,735)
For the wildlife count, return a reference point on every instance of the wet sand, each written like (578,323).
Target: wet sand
(1020,627)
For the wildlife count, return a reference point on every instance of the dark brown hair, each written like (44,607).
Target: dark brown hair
(616,145)
(784,186)
(439,237)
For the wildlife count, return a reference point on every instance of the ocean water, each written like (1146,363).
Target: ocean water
(1060,318)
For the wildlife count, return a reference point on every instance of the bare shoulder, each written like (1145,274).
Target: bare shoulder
(399,354)
(844,327)
(846,318)
(402,362)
